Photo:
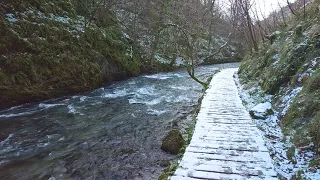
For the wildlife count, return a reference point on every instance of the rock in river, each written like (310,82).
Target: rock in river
(173,142)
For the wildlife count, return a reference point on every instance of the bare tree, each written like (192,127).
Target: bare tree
(282,14)
(240,17)
(291,9)
(246,6)
(185,24)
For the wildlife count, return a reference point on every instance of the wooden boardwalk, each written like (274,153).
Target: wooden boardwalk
(226,144)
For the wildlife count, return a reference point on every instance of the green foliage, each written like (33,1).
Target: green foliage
(291,152)
(206,84)
(48,52)
(314,132)
(303,114)
(189,132)
(299,175)
(315,163)
(58,7)
(313,83)
(169,171)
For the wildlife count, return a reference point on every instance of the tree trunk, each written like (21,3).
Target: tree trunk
(211,23)
(250,27)
(154,47)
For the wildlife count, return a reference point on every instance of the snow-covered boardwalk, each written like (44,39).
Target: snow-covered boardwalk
(226,144)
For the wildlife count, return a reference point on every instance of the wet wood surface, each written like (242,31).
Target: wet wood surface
(226,143)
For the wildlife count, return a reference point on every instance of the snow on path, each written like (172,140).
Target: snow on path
(226,144)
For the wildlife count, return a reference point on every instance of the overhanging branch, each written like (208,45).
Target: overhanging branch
(220,48)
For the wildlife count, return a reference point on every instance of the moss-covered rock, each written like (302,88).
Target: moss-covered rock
(173,142)
(261,111)
(290,152)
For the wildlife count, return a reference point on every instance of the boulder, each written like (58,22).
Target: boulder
(173,142)
(261,111)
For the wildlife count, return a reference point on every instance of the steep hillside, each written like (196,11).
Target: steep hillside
(286,72)
(49,48)
(53,48)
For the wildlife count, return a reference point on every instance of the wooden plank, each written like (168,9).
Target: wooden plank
(234,133)
(241,169)
(228,122)
(238,165)
(228,155)
(225,176)
(249,157)
(218,140)
(182,178)
(222,127)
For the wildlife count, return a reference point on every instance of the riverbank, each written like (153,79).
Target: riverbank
(12,98)
(187,132)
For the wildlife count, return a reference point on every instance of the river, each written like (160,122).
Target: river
(113,132)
